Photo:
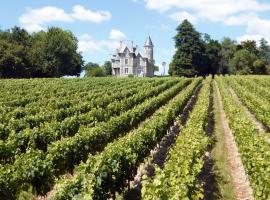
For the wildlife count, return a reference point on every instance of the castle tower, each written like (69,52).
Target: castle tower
(149,49)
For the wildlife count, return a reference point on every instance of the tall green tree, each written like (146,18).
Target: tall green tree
(227,51)
(60,51)
(264,50)
(187,60)
(212,55)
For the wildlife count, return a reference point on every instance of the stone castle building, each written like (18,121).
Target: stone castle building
(128,60)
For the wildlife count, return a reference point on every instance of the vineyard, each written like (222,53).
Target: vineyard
(135,138)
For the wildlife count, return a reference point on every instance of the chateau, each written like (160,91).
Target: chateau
(128,60)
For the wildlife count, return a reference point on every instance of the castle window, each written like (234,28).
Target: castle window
(126,61)
(126,70)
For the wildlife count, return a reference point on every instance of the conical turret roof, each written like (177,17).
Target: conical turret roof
(148,41)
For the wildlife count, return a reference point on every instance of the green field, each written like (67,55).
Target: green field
(87,138)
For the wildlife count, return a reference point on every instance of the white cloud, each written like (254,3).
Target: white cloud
(256,29)
(88,44)
(240,19)
(80,13)
(258,26)
(250,37)
(209,7)
(35,19)
(213,10)
(33,27)
(180,16)
(116,35)
(229,12)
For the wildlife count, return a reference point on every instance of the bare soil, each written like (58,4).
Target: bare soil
(159,154)
(240,180)
(207,176)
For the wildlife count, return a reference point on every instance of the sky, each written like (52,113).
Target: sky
(99,25)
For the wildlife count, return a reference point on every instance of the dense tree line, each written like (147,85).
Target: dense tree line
(43,54)
(198,55)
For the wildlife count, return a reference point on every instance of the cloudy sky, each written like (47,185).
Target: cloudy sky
(100,24)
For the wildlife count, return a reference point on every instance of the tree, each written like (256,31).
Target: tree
(93,70)
(60,54)
(37,56)
(11,60)
(20,36)
(212,55)
(264,50)
(187,59)
(242,62)
(54,54)
(250,45)
(227,51)
(259,66)
(107,67)
(43,54)
(14,56)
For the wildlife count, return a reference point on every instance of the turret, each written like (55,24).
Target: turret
(149,49)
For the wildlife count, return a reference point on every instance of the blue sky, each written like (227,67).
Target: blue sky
(101,24)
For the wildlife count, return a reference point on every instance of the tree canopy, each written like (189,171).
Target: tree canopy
(196,55)
(42,54)
(189,46)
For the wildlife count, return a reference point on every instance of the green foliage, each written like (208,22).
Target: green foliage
(212,56)
(94,70)
(264,50)
(104,174)
(48,127)
(178,178)
(189,46)
(107,67)
(11,62)
(228,49)
(43,54)
(113,112)
(105,132)
(249,45)
(259,66)
(253,147)
(248,92)
(195,56)
(242,62)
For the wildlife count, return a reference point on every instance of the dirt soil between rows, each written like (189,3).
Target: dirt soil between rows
(240,180)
